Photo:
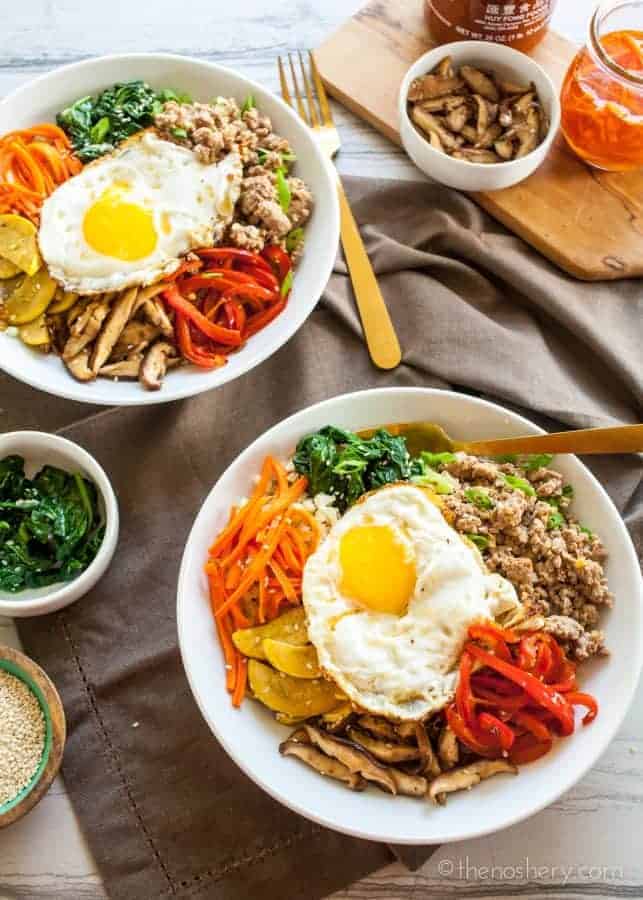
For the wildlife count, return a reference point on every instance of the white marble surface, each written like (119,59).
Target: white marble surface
(586,845)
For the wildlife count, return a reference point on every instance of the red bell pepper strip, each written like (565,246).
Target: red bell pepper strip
(263,277)
(566,678)
(492,638)
(541,693)
(196,355)
(233,253)
(504,702)
(576,698)
(260,320)
(226,336)
(480,744)
(463,698)
(527,749)
(228,283)
(532,724)
(279,259)
(497,729)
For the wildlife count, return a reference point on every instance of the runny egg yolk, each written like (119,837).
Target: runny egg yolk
(119,229)
(376,569)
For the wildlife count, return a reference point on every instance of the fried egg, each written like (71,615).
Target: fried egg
(389,595)
(127,218)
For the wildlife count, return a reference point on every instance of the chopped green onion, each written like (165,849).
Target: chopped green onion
(520,484)
(536,461)
(479,497)
(294,239)
(283,191)
(568,491)
(586,530)
(479,540)
(248,103)
(441,482)
(506,458)
(99,130)
(179,97)
(436,459)
(556,520)
(286,284)
(179,133)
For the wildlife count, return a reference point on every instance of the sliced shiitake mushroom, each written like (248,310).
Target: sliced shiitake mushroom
(116,321)
(380,728)
(79,366)
(406,730)
(86,326)
(432,125)
(409,785)
(430,86)
(473,115)
(386,751)
(472,154)
(136,336)
(490,137)
(355,758)
(154,311)
(480,83)
(299,745)
(448,749)
(466,777)
(430,763)
(154,365)
(125,368)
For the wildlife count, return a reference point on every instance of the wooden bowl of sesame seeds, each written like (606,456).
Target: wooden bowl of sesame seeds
(32,734)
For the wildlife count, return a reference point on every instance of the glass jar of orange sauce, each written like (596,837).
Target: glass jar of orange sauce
(602,95)
(520,23)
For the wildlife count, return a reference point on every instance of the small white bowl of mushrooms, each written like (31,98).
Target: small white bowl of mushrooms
(477,116)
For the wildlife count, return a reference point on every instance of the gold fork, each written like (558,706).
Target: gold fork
(381,339)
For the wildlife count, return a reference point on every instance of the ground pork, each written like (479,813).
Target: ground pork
(579,643)
(528,535)
(213,130)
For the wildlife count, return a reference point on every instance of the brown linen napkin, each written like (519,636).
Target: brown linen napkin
(164,809)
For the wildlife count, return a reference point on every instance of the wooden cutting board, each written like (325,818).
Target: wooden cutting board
(590,223)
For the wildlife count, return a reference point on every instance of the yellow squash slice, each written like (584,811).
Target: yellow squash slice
(31,298)
(294,697)
(300,661)
(8,269)
(289,627)
(63,301)
(36,333)
(18,243)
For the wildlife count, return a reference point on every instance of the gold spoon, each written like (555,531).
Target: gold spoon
(429,436)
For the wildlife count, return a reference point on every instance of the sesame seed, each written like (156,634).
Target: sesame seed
(22,736)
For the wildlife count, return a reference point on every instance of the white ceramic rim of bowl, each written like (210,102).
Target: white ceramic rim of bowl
(256,351)
(378,834)
(36,444)
(505,55)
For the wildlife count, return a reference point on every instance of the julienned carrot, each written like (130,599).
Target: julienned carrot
(34,160)
(256,563)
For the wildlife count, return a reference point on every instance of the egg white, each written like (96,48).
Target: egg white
(184,196)
(402,667)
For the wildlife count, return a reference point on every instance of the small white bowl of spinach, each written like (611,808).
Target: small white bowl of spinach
(58,523)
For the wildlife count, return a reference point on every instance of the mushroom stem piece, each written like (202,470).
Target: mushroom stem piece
(466,777)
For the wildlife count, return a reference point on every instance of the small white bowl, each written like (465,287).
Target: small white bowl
(38,449)
(458,173)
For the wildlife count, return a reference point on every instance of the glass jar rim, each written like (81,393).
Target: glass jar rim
(600,14)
